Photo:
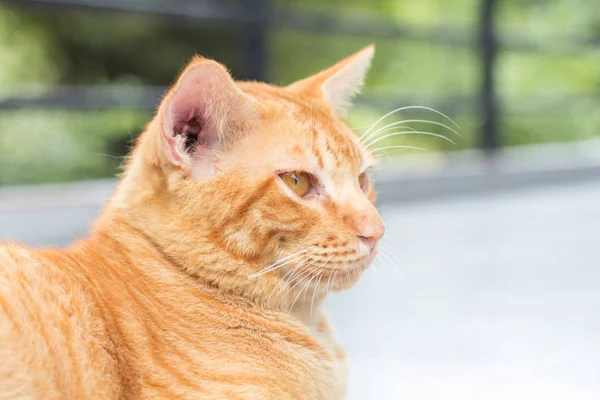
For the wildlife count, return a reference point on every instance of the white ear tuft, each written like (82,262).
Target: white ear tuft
(341,87)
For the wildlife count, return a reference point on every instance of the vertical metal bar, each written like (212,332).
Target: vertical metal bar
(489,107)
(254,40)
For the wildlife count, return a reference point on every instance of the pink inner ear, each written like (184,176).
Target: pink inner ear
(199,112)
(173,147)
(187,130)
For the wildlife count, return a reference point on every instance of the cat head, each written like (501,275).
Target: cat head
(269,177)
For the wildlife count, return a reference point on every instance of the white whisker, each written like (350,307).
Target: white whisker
(330,283)
(392,264)
(365,136)
(291,276)
(300,277)
(394,125)
(359,127)
(384,263)
(320,267)
(312,302)
(287,278)
(400,147)
(389,251)
(374,265)
(412,132)
(280,263)
(389,127)
(387,155)
(304,287)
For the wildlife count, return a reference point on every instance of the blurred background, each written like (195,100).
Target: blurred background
(81,77)
(488,283)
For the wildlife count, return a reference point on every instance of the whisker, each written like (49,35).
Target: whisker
(329,282)
(374,265)
(389,253)
(280,263)
(111,156)
(284,291)
(288,277)
(320,267)
(383,262)
(359,127)
(426,121)
(388,127)
(393,264)
(295,274)
(400,147)
(293,254)
(299,272)
(329,288)
(387,155)
(364,135)
(300,277)
(395,124)
(277,266)
(315,291)
(409,133)
(304,288)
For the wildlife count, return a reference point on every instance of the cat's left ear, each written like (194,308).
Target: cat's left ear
(341,82)
(203,112)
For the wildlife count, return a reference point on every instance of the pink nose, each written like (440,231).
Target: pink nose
(371,234)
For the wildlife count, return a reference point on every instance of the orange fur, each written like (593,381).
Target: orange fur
(171,295)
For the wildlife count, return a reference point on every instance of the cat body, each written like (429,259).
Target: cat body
(134,327)
(241,206)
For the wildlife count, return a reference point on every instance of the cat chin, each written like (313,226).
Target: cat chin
(343,283)
(346,276)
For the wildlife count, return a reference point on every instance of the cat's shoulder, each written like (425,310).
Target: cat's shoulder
(25,269)
(15,256)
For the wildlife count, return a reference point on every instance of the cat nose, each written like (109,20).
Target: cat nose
(371,234)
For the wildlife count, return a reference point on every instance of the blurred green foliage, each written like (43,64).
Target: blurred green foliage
(546,96)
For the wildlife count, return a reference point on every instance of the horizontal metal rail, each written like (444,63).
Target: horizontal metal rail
(310,22)
(434,176)
(251,19)
(109,97)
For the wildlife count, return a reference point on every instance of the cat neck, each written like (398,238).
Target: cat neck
(144,221)
(204,266)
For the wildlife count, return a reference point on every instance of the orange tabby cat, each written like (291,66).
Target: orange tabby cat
(240,207)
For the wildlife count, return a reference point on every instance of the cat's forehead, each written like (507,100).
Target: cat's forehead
(309,126)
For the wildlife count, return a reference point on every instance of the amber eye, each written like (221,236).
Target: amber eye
(299,182)
(363,181)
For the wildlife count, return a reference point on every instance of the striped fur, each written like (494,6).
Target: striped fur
(170,295)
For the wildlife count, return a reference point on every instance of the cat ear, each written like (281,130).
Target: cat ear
(204,109)
(341,82)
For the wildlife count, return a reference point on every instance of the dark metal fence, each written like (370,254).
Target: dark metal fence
(252,19)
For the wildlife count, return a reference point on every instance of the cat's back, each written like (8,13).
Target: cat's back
(53,340)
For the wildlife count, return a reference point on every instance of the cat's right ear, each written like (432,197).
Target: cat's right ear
(339,83)
(203,110)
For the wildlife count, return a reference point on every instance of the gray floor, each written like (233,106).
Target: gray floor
(491,296)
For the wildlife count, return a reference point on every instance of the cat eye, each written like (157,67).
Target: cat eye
(363,181)
(299,182)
